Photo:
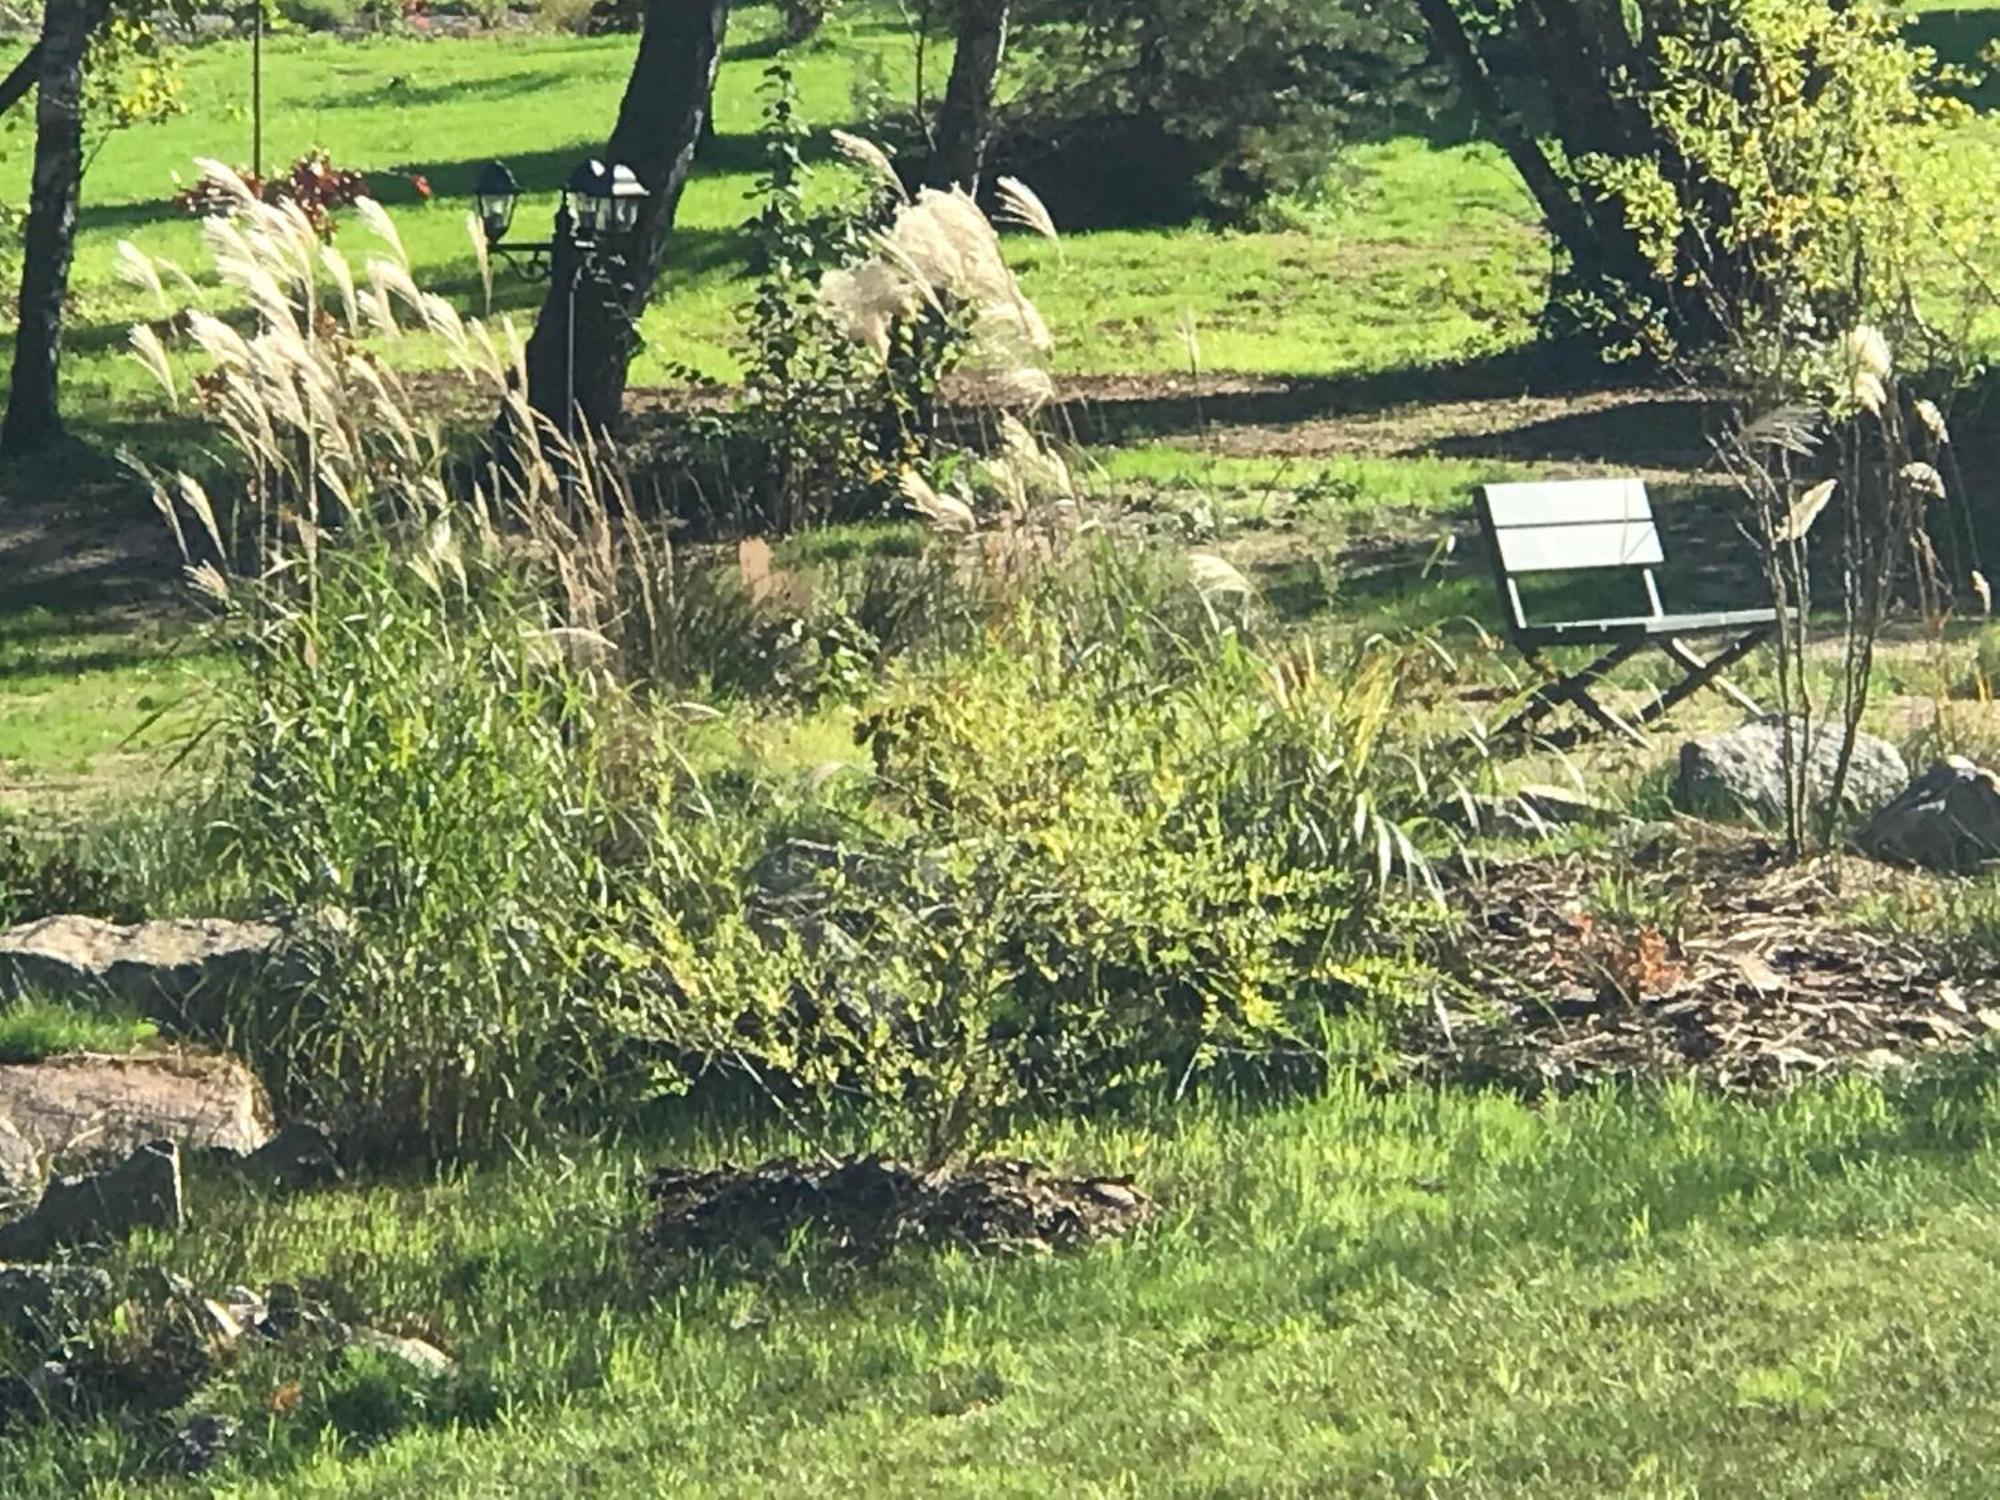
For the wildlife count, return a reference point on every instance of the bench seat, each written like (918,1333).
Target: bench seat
(1640,627)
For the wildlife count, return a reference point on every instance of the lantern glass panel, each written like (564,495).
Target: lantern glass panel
(494,198)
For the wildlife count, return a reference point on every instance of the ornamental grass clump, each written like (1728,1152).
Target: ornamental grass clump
(409,760)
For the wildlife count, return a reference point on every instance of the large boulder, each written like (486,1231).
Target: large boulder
(1948,819)
(101,1208)
(176,972)
(1743,771)
(86,1106)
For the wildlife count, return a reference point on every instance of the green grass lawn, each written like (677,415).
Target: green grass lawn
(1387,1289)
(1430,254)
(1397,1294)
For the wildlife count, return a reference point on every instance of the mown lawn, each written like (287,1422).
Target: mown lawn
(1408,1293)
(1427,253)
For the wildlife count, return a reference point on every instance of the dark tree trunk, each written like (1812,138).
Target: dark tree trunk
(34,416)
(1595,77)
(965,118)
(804,18)
(659,125)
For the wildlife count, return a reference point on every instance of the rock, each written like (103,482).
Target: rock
(1948,819)
(1743,771)
(202,1441)
(425,1359)
(142,1192)
(90,1107)
(21,1171)
(177,972)
(46,1304)
(298,1157)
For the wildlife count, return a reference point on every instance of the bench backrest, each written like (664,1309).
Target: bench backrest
(1569,526)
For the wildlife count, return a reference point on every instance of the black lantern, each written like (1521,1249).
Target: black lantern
(495,197)
(604,201)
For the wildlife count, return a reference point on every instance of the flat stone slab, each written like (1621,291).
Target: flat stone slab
(89,1106)
(175,972)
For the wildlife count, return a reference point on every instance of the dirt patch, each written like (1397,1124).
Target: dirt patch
(1745,972)
(863,1208)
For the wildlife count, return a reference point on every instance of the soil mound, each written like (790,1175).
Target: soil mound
(864,1207)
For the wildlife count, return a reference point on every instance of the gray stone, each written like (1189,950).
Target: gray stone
(425,1359)
(300,1156)
(141,1192)
(180,973)
(1742,772)
(46,1304)
(21,1170)
(1948,819)
(88,1108)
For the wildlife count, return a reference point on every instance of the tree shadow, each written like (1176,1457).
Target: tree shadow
(1669,432)
(1168,408)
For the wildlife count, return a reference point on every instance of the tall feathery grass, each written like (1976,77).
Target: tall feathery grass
(411,762)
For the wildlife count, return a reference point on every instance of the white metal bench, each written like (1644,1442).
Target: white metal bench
(1594,525)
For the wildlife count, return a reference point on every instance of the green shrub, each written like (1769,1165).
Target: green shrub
(323,15)
(1058,888)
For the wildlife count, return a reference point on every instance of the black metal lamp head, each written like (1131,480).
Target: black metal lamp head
(604,201)
(495,195)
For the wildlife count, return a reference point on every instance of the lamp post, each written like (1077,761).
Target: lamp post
(594,226)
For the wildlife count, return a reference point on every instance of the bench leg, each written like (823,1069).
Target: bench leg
(1575,689)
(1701,674)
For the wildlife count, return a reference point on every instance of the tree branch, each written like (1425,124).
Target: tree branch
(18,84)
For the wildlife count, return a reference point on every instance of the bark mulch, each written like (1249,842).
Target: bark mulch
(1724,963)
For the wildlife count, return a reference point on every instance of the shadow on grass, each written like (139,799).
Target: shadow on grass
(1166,408)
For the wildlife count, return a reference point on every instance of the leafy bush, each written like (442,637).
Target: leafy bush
(868,317)
(1717,165)
(1159,111)
(1058,888)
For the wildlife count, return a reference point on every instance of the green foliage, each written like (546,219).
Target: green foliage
(1212,106)
(1089,862)
(822,430)
(39,879)
(32,1028)
(1735,164)
(412,766)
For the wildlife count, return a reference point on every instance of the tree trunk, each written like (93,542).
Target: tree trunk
(659,125)
(965,118)
(34,417)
